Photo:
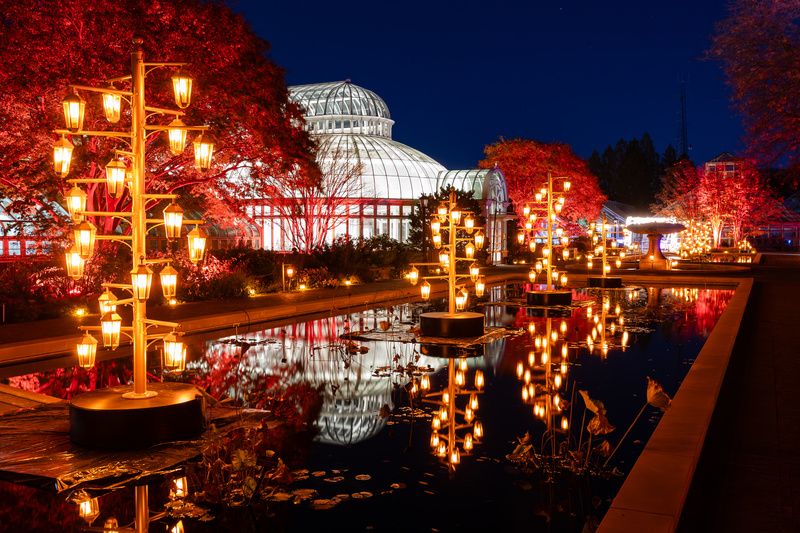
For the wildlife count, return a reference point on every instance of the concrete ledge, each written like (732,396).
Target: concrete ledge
(653,494)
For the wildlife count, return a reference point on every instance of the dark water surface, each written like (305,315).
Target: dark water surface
(372,467)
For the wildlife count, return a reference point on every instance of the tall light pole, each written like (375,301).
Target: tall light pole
(103,418)
(600,243)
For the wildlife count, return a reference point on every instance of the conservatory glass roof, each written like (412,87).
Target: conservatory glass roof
(390,169)
(338,98)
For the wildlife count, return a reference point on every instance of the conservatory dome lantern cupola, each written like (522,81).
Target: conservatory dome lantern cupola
(342,107)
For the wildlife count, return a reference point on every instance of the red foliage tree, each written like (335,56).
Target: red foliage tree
(239,92)
(525,164)
(679,196)
(759,46)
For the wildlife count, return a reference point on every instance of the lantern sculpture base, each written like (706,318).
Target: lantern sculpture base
(456,325)
(608,282)
(547,298)
(549,312)
(451,351)
(104,419)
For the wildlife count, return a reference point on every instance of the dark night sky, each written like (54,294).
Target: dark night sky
(458,75)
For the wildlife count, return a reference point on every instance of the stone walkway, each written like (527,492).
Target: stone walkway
(748,478)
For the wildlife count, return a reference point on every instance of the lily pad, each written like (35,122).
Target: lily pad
(363,477)
(362,495)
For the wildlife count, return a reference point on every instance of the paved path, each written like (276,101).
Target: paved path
(748,478)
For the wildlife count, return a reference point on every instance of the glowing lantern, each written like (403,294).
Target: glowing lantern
(441,212)
(115,177)
(112,105)
(538,267)
(532,246)
(89,509)
(197,244)
(479,379)
(618,263)
(436,226)
(437,240)
(425,382)
(532,275)
(528,225)
(169,282)
(173,220)
(110,326)
(425,292)
(461,301)
(455,215)
(567,185)
(107,302)
(469,224)
(469,250)
(479,240)
(480,287)
(74,108)
(62,156)
(526,210)
(75,264)
(477,430)
(141,277)
(182,87)
(444,259)
(413,276)
(434,440)
(563,279)
(180,488)
(174,353)
(468,444)
(176,134)
(84,234)
(564,423)
(203,151)
(76,202)
(87,351)
(474,272)
(521,237)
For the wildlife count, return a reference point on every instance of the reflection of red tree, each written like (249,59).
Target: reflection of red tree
(27,509)
(701,308)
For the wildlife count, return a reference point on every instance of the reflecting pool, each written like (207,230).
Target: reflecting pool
(535,430)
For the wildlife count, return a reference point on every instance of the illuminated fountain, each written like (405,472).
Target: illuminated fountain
(655,231)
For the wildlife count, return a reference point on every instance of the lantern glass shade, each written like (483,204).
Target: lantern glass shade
(289,271)
(455,214)
(441,212)
(567,185)
(110,326)
(203,151)
(174,354)
(182,88)
(115,177)
(169,281)
(141,278)
(474,272)
(107,302)
(112,104)
(74,109)
(461,301)
(75,264)
(480,287)
(425,290)
(62,156)
(76,202)
(87,351)
(469,250)
(197,245)
(84,234)
(413,275)
(437,240)
(479,240)
(173,220)
(521,237)
(177,136)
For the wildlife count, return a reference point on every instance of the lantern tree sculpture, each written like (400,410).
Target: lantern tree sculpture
(127,170)
(544,378)
(456,322)
(541,215)
(608,327)
(600,240)
(455,427)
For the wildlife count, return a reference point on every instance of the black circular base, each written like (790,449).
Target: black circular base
(451,326)
(103,419)
(549,312)
(609,282)
(546,298)
(450,350)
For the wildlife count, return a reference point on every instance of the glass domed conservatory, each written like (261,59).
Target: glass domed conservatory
(354,124)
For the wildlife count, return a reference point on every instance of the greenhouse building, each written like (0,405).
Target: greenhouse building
(353,127)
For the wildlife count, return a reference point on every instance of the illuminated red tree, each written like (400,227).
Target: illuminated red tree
(239,92)
(679,196)
(525,164)
(312,209)
(759,46)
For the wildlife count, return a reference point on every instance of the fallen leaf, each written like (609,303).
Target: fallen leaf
(361,495)
(363,477)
